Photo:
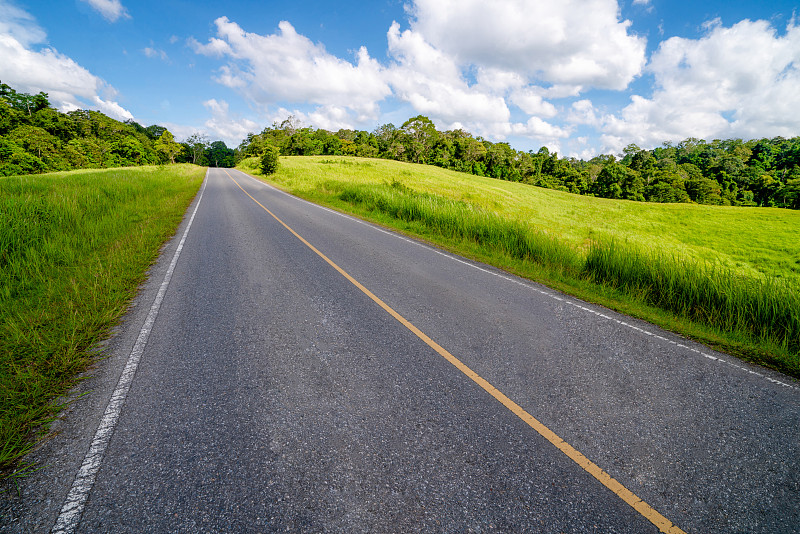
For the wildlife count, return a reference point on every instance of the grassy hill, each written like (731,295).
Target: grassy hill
(751,256)
(749,240)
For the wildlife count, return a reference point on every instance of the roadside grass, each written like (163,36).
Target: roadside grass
(74,246)
(660,263)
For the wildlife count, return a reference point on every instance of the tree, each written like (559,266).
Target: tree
(167,146)
(154,132)
(197,146)
(219,155)
(791,194)
(290,124)
(469,150)
(618,181)
(419,137)
(703,190)
(130,150)
(23,101)
(763,188)
(667,185)
(499,160)
(302,143)
(270,160)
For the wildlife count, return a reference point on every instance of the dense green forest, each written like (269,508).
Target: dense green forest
(36,138)
(763,172)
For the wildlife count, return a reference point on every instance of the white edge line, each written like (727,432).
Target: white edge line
(70,514)
(528,285)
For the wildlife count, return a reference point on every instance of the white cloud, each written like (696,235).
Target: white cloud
(112,10)
(230,129)
(733,82)
(539,129)
(28,70)
(531,102)
(498,80)
(288,67)
(521,52)
(112,109)
(155,52)
(464,63)
(432,83)
(214,48)
(19,25)
(331,118)
(583,112)
(572,42)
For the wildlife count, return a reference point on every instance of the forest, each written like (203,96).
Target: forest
(36,138)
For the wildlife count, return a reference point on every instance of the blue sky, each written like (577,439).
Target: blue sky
(581,77)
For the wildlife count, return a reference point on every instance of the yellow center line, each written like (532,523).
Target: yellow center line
(647,511)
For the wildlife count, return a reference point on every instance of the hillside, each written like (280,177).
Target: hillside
(752,241)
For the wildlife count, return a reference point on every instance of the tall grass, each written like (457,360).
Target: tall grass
(764,309)
(73,249)
(460,220)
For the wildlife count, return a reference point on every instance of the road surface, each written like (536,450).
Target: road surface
(304,371)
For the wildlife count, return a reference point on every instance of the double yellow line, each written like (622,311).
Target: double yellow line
(647,511)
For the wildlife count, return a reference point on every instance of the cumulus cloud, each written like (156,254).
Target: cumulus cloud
(112,109)
(530,101)
(571,42)
(29,70)
(528,68)
(289,67)
(112,10)
(231,129)
(519,52)
(459,63)
(583,112)
(542,130)
(432,83)
(733,82)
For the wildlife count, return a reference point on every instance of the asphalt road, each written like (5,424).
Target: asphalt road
(275,394)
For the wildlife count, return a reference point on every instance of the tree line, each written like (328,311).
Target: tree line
(763,172)
(36,138)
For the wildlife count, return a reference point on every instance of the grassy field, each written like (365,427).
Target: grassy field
(74,246)
(725,276)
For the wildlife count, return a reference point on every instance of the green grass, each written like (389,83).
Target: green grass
(724,276)
(461,221)
(74,247)
(752,241)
